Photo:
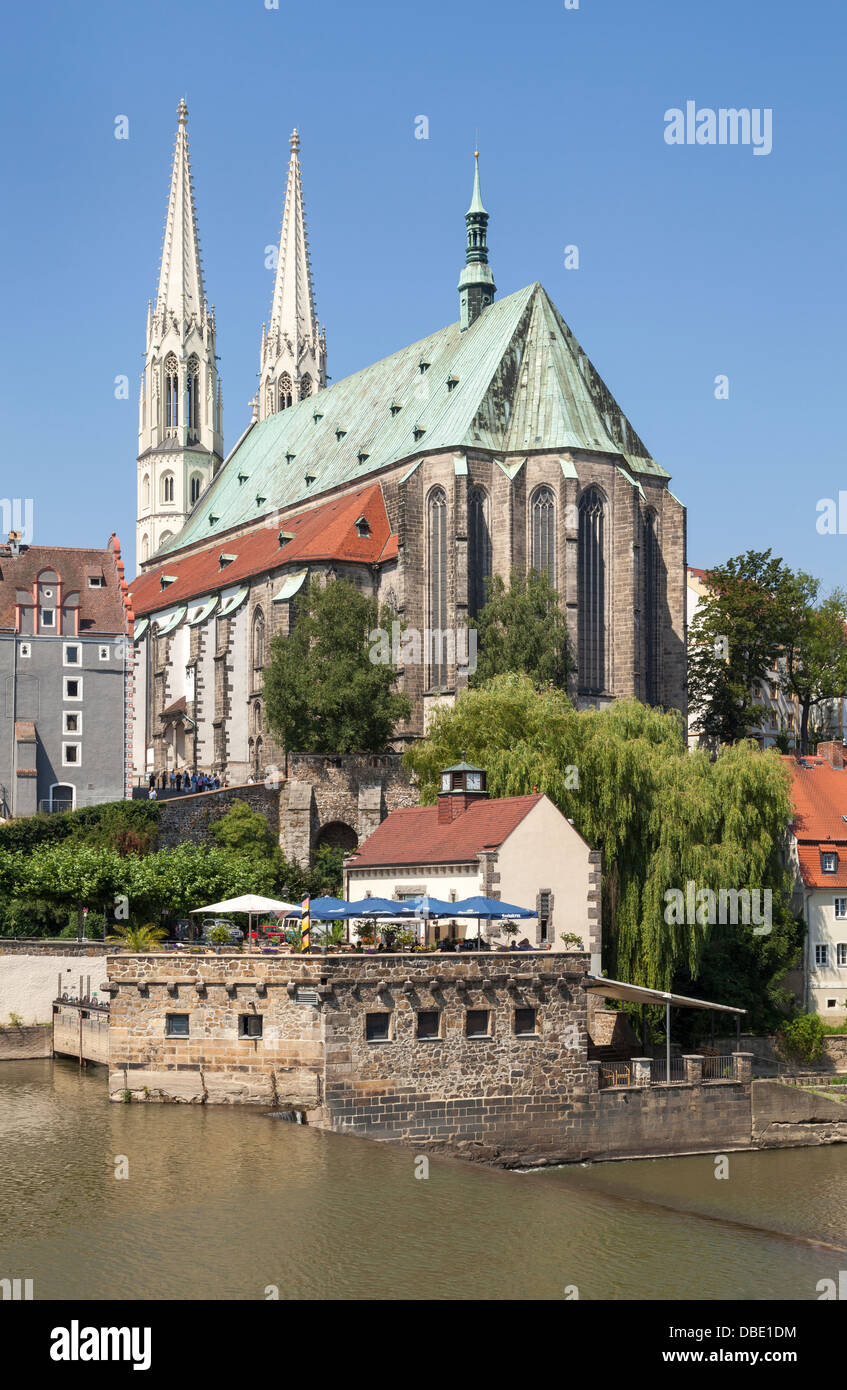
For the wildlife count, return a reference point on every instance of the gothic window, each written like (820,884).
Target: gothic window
(257,717)
(437,585)
(285,396)
(479,548)
(543,533)
(171,391)
(650,544)
(192,389)
(195,487)
(305,386)
(258,640)
(165,537)
(145,547)
(145,491)
(167,487)
(269,398)
(591,593)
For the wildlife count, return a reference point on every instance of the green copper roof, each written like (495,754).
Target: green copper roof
(476,200)
(515,381)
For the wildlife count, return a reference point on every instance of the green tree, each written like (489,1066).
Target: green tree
(244,830)
(660,815)
(815,648)
(523,629)
(323,691)
(738,633)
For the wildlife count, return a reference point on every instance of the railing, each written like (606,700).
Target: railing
(718,1068)
(615,1074)
(659,1071)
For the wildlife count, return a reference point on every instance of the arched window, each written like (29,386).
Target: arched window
(650,545)
(479,549)
(269,398)
(257,716)
(195,487)
(591,593)
(192,390)
(542,548)
(305,386)
(284,391)
(171,391)
(145,547)
(165,537)
(258,640)
(437,586)
(145,490)
(167,487)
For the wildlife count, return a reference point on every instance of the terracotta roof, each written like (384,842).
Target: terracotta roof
(105,609)
(415,836)
(819,792)
(328,532)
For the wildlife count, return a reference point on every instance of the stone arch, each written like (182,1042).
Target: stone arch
(338,835)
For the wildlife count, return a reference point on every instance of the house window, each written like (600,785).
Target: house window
(829,862)
(543,533)
(195,486)
(476,1025)
(841,907)
(428,1023)
(73,688)
(48,617)
(591,593)
(258,640)
(73,655)
(71,754)
(822,955)
(525,1023)
(72,722)
(176,1025)
(171,391)
(96,581)
(377,1027)
(249,1025)
(543,915)
(841,953)
(831,1003)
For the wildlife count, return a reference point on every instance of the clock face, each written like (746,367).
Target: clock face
(474,782)
(445,781)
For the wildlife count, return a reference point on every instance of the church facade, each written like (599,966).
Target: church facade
(489,446)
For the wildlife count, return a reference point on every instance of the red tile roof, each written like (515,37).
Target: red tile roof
(101,610)
(329,532)
(415,835)
(819,792)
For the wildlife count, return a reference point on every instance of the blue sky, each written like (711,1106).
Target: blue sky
(695,261)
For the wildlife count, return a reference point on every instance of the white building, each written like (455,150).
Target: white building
(520,849)
(818,856)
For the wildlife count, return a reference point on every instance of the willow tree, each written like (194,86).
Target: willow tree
(662,816)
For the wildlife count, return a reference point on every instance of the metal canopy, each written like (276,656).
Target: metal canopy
(639,994)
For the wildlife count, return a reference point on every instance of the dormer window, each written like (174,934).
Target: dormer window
(284,537)
(242,477)
(829,862)
(213,520)
(340,433)
(260,500)
(395,408)
(316,416)
(362,526)
(451,382)
(361,456)
(289,457)
(418,432)
(310,478)
(167,579)
(423,366)
(224,560)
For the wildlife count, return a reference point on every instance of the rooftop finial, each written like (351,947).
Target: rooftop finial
(295,141)
(182,111)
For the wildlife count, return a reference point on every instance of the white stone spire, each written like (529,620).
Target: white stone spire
(181,289)
(293,348)
(180,425)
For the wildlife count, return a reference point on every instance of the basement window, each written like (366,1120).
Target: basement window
(477,1024)
(176,1025)
(377,1027)
(526,1023)
(428,1023)
(249,1025)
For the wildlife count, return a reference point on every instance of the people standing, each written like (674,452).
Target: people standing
(179,781)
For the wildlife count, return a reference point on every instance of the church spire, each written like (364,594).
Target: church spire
(476,282)
(293,350)
(181,289)
(180,425)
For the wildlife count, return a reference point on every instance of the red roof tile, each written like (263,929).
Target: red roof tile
(101,610)
(415,835)
(329,532)
(819,792)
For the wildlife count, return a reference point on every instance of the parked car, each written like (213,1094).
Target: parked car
(210,923)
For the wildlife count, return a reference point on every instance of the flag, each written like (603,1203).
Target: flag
(305,924)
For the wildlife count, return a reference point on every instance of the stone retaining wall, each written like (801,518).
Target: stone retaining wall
(190,818)
(17,1044)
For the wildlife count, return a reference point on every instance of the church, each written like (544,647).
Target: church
(489,446)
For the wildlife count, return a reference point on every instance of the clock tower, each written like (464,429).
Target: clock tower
(460,786)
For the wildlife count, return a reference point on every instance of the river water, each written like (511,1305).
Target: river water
(226,1203)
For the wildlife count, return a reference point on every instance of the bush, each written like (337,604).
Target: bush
(801,1039)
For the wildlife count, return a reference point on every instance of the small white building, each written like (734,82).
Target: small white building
(818,856)
(520,849)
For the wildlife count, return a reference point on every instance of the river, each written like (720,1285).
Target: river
(225,1203)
